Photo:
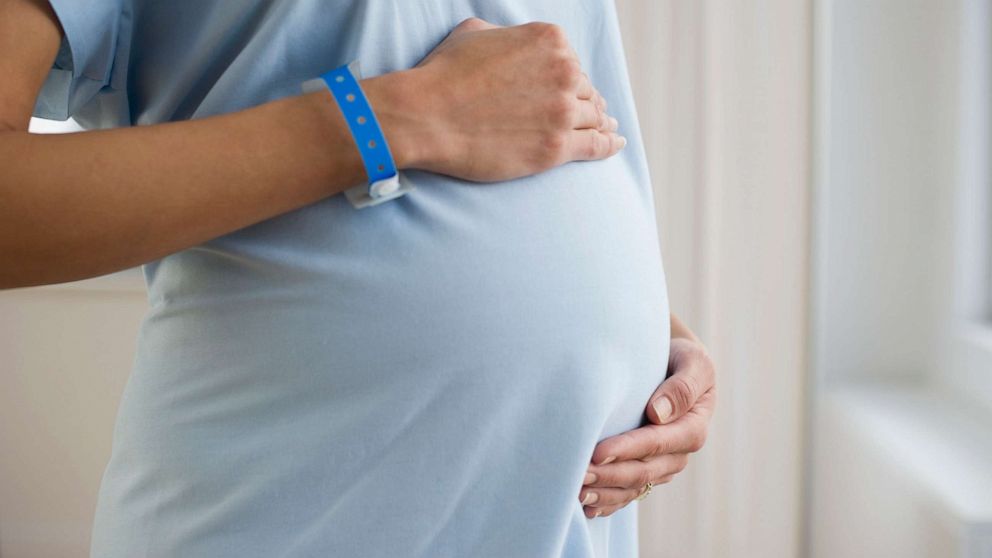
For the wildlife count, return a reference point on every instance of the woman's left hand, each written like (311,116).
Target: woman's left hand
(679,411)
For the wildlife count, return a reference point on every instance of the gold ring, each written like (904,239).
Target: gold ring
(645,491)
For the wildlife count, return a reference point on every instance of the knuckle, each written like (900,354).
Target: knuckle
(553,34)
(568,73)
(683,392)
(624,441)
(562,111)
(472,24)
(702,360)
(599,100)
(552,146)
(600,146)
(583,76)
(658,447)
(695,353)
(592,148)
(554,142)
(540,29)
(681,463)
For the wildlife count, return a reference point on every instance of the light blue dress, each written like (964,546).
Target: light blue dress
(424,378)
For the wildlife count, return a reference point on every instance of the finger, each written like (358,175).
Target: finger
(586,91)
(685,435)
(635,472)
(588,115)
(597,97)
(591,144)
(603,509)
(603,497)
(611,124)
(619,497)
(471,24)
(592,512)
(693,376)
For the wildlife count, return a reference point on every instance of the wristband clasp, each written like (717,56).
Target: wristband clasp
(385,181)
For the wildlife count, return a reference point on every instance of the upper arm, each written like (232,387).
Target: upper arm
(30,36)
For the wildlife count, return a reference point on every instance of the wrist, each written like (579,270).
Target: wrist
(397,99)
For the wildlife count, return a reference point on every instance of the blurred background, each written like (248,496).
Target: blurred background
(822,182)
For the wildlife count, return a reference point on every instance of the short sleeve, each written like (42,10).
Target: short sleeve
(92,59)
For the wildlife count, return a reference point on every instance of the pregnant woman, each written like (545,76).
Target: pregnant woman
(476,367)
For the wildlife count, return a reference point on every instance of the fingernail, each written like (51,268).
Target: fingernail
(609,459)
(623,142)
(663,408)
(598,513)
(614,125)
(591,498)
(590,478)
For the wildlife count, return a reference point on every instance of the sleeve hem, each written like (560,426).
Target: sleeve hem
(71,37)
(84,66)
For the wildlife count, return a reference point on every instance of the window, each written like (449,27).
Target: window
(970,349)
(902,276)
(903,197)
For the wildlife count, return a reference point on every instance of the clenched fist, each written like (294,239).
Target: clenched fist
(495,103)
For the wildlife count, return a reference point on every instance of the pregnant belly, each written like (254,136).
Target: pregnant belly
(549,288)
(465,334)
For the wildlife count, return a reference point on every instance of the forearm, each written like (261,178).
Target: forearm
(80,205)
(85,204)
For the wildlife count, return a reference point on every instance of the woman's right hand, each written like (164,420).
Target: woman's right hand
(494,103)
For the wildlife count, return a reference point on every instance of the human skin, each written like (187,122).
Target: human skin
(678,412)
(69,200)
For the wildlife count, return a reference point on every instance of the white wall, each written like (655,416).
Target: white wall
(64,358)
(722,90)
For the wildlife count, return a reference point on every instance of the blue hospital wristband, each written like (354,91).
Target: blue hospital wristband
(384,179)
